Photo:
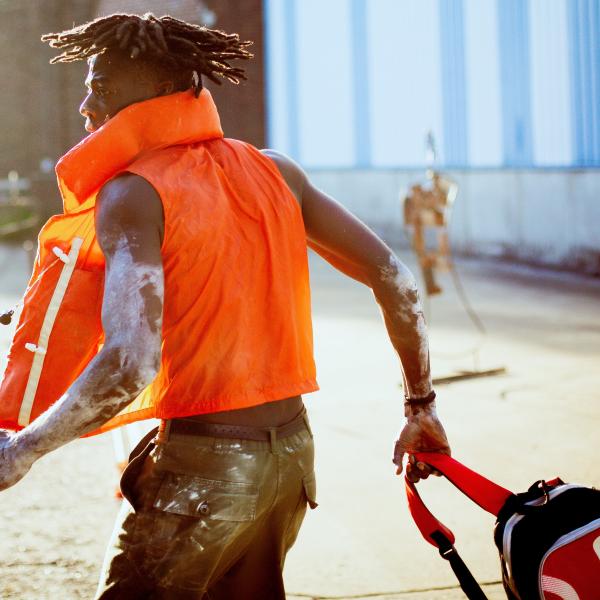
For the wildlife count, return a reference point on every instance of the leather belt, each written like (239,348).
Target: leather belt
(188,426)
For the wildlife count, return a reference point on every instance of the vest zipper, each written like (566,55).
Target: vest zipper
(41,347)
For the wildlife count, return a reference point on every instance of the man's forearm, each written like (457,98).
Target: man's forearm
(108,384)
(396,292)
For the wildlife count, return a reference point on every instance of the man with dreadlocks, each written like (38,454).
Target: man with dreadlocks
(175,285)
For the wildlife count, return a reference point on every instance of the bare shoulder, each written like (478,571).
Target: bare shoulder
(128,203)
(290,170)
(128,196)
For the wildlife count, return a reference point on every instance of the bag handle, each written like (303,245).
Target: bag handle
(487,494)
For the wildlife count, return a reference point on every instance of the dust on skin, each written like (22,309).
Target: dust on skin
(128,362)
(407,322)
(398,297)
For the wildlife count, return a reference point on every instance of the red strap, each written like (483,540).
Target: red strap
(425,521)
(482,491)
(487,494)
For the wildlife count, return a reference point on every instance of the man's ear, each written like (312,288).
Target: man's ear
(165,88)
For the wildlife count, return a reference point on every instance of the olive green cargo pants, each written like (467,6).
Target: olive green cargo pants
(210,518)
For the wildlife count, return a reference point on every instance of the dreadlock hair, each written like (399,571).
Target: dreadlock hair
(181,48)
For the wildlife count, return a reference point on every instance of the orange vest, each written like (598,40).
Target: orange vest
(236,322)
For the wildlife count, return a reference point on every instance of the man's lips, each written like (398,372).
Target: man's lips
(91,126)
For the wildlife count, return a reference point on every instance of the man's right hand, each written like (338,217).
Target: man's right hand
(423,432)
(15,459)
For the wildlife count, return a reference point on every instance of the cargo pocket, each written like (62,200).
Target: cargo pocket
(194,523)
(207,498)
(310,489)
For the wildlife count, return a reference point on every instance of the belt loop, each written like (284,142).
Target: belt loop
(305,419)
(273,438)
(164,430)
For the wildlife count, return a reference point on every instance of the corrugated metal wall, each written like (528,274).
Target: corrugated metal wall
(500,83)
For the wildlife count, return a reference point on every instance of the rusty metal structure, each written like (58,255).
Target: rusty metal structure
(428,207)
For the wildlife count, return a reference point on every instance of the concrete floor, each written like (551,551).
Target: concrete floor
(539,420)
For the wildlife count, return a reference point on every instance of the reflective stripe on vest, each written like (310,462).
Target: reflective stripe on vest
(39,349)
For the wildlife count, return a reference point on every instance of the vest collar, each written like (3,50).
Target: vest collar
(161,122)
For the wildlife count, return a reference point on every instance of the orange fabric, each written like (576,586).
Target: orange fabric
(237,327)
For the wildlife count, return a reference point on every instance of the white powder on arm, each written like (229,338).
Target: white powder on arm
(129,222)
(397,294)
(128,362)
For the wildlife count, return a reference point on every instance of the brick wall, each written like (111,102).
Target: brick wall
(39,102)
(242,108)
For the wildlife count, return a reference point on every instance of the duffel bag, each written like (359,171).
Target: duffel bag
(548,537)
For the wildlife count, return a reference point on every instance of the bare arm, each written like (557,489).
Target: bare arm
(128,226)
(298,182)
(350,246)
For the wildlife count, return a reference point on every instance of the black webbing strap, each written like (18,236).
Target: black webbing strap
(467,582)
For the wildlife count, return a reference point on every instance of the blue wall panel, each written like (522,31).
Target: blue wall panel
(584,28)
(452,48)
(482,75)
(550,84)
(360,64)
(279,68)
(325,84)
(291,73)
(359,83)
(404,81)
(513,25)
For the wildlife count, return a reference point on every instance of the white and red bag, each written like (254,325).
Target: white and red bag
(548,537)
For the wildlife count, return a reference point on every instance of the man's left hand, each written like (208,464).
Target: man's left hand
(15,461)
(423,432)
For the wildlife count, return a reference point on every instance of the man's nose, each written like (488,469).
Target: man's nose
(86,110)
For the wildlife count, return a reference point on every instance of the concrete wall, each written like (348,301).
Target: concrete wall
(548,217)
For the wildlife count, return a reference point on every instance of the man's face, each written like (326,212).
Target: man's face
(114,82)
